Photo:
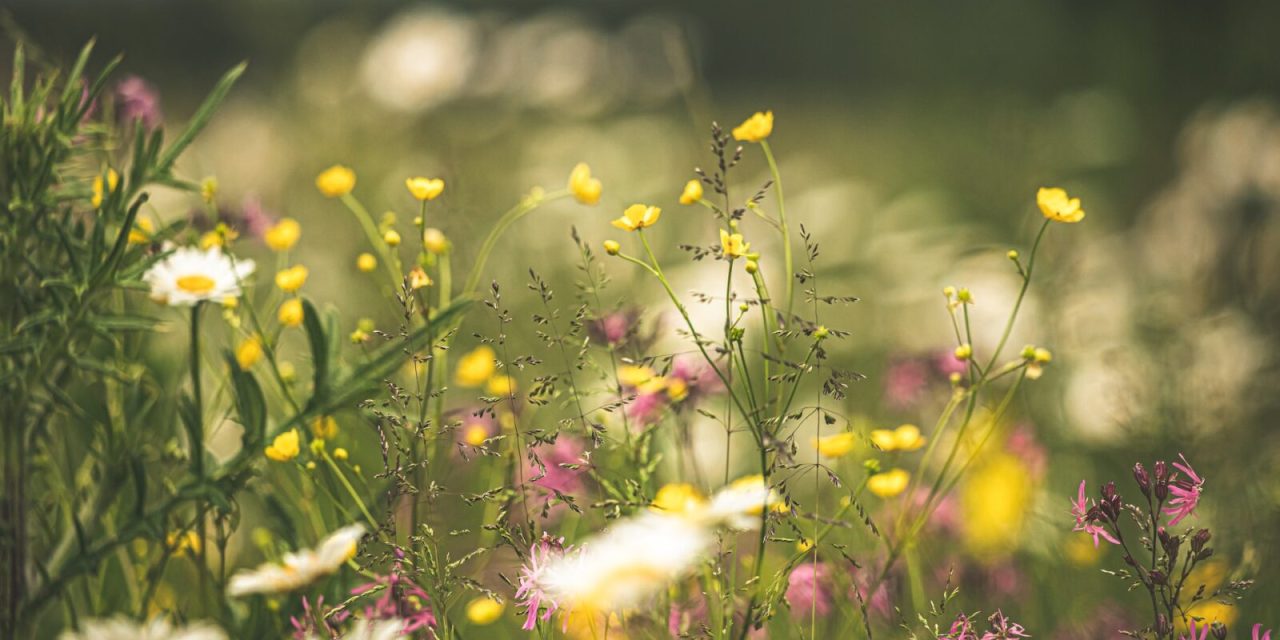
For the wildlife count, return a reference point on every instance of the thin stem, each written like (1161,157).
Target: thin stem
(782,223)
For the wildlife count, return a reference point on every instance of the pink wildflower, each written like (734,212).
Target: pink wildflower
(1002,628)
(530,594)
(1185,491)
(1085,520)
(137,99)
(401,598)
(904,381)
(1203,630)
(1257,629)
(809,589)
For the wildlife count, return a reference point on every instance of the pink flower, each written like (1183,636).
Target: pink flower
(904,380)
(1085,519)
(809,590)
(687,618)
(1003,628)
(698,375)
(1202,630)
(137,99)
(1185,491)
(401,598)
(646,409)
(1257,629)
(530,594)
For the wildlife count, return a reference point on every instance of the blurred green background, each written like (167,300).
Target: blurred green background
(912,137)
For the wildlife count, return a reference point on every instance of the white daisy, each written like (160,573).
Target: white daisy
(739,505)
(121,628)
(627,564)
(190,275)
(300,568)
(389,629)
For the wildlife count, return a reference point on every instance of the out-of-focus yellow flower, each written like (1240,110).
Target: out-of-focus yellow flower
(995,502)
(1211,611)
(113,180)
(756,128)
(889,484)
(500,385)
(475,434)
(290,314)
(209,189)
(1056,206)
(425,188)
(434,241)
(835,445)
(291,279)
(484,611)
(584,188)
(752,266)
(612,247)
(678,498)
(692,192)
(324,428)
(418,278)
(677,389)
(732,244)
(211,239)
(249,352)
(283,235)
(634,375)
(638,216)
(182,542)
(803,545)
(142,231)
(285,447)
(476,367)
(391,237)
(317,446)
(336,181)
(288,372)
(340,454)
(366,262)
(1080,550)
(905,438)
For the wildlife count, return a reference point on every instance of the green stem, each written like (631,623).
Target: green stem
(523,208)
(346,484)
(782,223)
(375,240)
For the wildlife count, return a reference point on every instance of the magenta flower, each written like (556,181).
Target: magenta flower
(530,594)
(401,598)
(685,618)
(961,629)
(904,381)
(1085,519)
(1203,631)
(809,589)
(1185,491)
(1257,629)
(1002,628)
(137,99)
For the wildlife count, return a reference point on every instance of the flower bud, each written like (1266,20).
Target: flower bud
(1158,577)
(1012,255)
(612,247)
(752,266)
(1141,477)
(964,352)
(391,237)
(1200,539)
(1218,630)
(964,296)
(1162,626)
(821,332)
(949,292)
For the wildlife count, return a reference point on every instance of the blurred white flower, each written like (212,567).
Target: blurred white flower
(363,629)
(190,275)
(739,505)
(121,628)
(299,568)
(421,59)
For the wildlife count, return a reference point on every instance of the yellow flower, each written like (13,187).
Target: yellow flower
(585,188)
(677,389)
(366,262)
(391,237)
(1055,205)
(1080,550)
(283,235)
(678,498)
(484,611)
(904,438)
(995,501)
(285,447)
(475,368)
(803,545)
(634,376)
(756,128)
(889,483)
(340,454)
(692,192)
(835,445)
(475,434)
(324,428)
(336,181)
(418,278)
(291,279)
(249,352)
(290,314)
(113,179)
(964,351)
(638,216)
(433,241)
(209,189)
(732,244)
(211,239)
(425,188)
(183,541)
(142,231)
(500,385)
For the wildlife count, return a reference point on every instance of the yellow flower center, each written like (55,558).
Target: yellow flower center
(196,284)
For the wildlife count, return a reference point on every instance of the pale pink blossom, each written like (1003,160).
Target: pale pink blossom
(530,594)
(1080,508)
(1185,492)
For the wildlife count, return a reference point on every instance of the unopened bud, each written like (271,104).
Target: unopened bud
(612,247)
(1012,255)
(1219,630)
(1200,539)
(752,266)
(963,295)
(1141,477)
(964,352)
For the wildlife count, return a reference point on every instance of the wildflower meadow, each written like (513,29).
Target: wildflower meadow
(419,345)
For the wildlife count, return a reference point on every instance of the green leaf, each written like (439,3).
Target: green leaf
(125,322)
(251,404)
(201,118)
(319,351)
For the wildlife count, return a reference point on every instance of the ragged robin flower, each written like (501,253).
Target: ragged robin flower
(638,216)
(336,181)
(732,244)
(584,188)
(692,192)
(424,189)
(756,128)
(283,235)
(113,180)
(1056,206)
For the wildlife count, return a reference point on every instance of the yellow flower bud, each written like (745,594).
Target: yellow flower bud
(366,262)
(324,428)
(964,296)
(113,180)
(752,266)
(142,231)
(433,241)
(584,188)
(692,192)
(1012,255)
(283,235)
(821,332)
(612,247)
(290,314)
(340,454)
(425,188)
(336,181)
(756,128)
(949,292)
(391,237)
(1042,355)
(249,352)
(291,279)
(964,352)
(317,446)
